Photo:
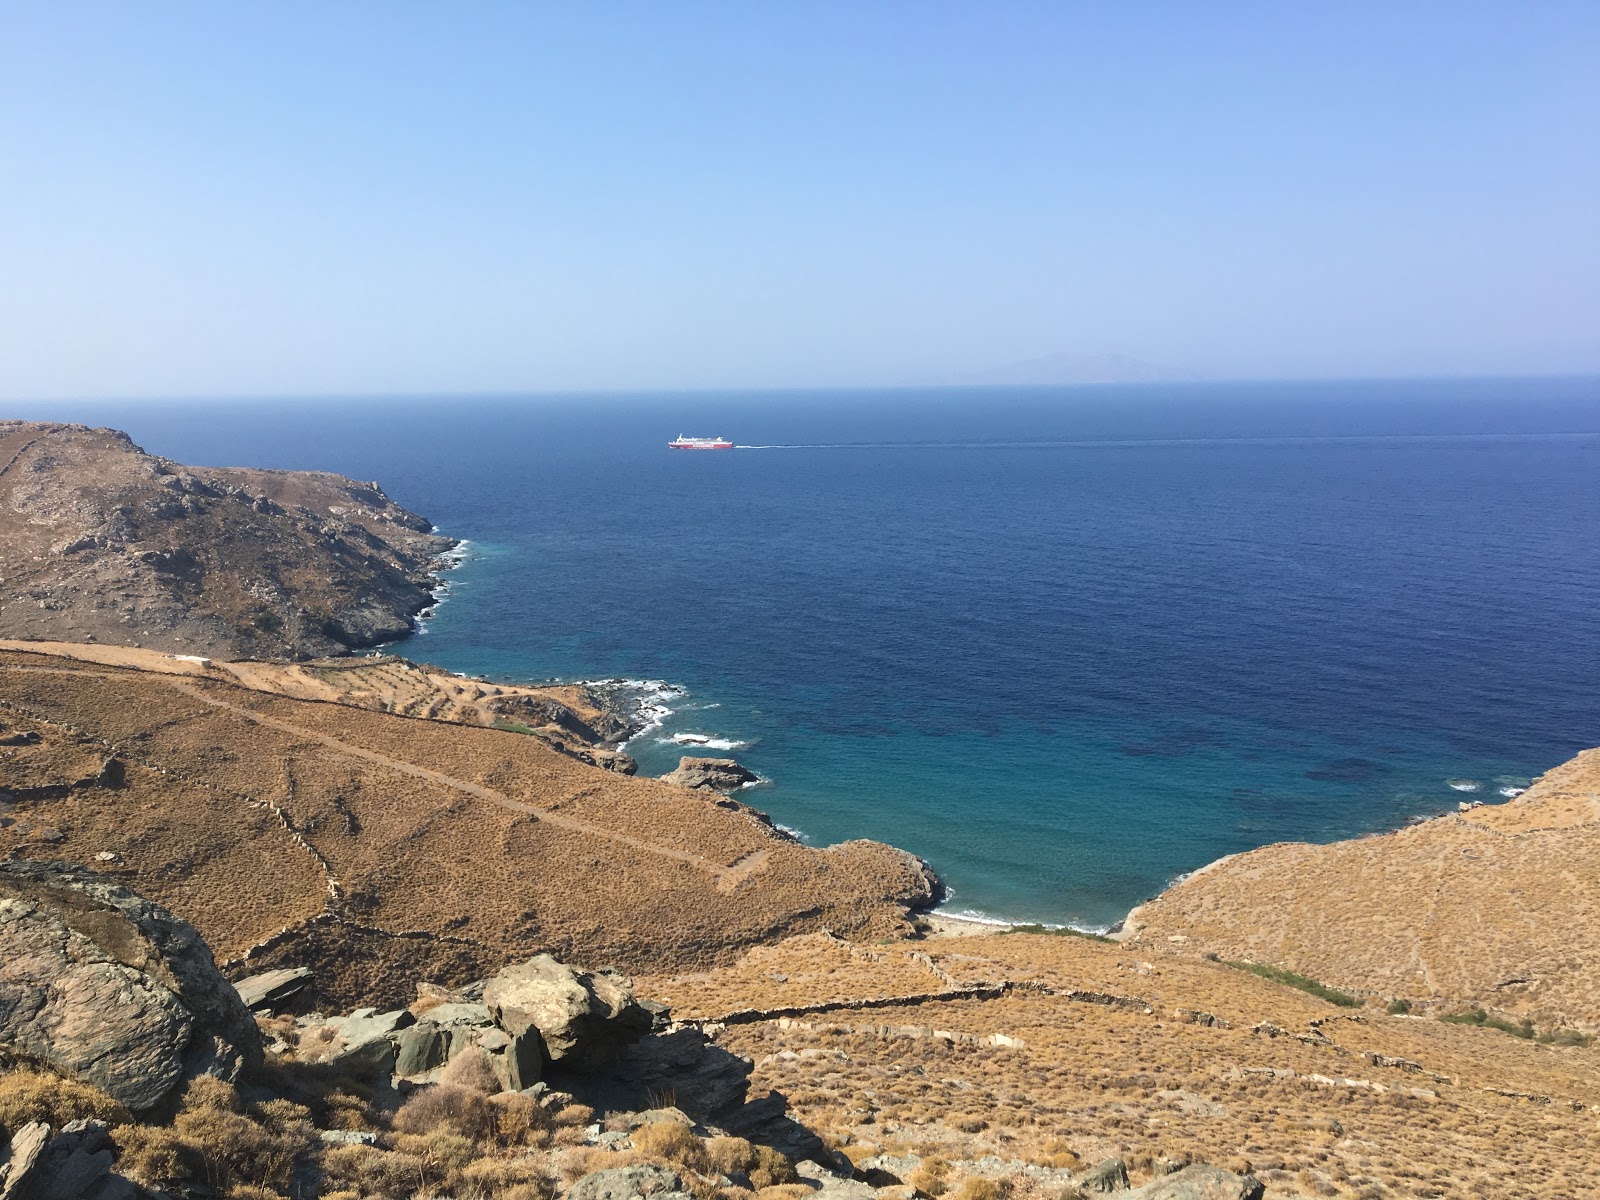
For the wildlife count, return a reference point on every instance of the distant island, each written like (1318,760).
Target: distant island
(1066,369)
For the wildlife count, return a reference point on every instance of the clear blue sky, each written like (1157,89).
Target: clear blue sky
(249,198)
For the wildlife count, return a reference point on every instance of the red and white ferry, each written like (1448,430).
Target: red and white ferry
(694,443)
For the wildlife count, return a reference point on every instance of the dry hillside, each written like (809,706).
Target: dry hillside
(385,849)
(100,541)
(1495,906)
(1028,1056)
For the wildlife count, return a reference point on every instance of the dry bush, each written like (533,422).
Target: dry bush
(369,1172)
(230,1148)
(505,1179)
(931,1177)
(574,1116)
(471,1070)
(572,1165)
(521,1120)
(731,1155)
(772,1169)
(976,1187)
(783,1191)
(673,1142)
(39,1096)
(444,1106)
(150,1155)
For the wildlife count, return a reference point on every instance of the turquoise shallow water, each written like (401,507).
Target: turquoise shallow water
(1065,644)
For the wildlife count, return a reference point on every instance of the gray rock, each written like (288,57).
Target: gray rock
(105,987)
(1201,1183)
(582,1020)
(710,774)
(1104,1178)
(349,1137)
(272,988)
(832,1185)
(73,1165)
(27,1145)
(364,1039)
(629,1183)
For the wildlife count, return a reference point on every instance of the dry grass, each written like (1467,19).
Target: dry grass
(1102,1050)
(27,1096)
(1493,907)
(420,826)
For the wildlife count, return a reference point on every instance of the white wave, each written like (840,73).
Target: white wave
(798,835)
(643,701)
(1465,785)
(1511,791)
(703,739)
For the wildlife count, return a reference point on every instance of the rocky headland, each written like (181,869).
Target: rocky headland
(105,543)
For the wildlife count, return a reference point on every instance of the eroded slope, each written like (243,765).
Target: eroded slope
(383,849)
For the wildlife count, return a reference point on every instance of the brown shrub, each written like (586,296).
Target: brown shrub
(150,1155)
(976,1187)
(444,1106)
(772,1169)
(673,1142)
(931,1177)
(472,1070)
(783,1191)
(39,1096)
(574,1116)
(442,1150)
(233,1149)
(498,1178)
(729,1155)
(367,1171)
(520,1120)
(572,1165)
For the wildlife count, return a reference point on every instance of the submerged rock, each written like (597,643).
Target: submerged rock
(101,985)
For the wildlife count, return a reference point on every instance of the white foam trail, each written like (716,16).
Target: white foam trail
(1465,785)
(705,740)
(1511,792)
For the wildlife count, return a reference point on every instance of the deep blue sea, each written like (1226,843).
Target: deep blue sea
(1064,643)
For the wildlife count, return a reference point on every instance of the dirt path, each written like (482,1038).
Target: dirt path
(726,879)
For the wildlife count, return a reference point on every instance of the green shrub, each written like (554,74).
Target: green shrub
(1480,1018)
(1398,1007)
(1304,982)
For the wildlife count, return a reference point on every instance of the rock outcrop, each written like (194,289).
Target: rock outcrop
(104,542)
(74,1164)
(582,1020)
(711,774)
(103,986)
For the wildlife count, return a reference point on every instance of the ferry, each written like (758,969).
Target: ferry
(694,443)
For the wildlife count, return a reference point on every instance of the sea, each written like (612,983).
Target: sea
(1067,644)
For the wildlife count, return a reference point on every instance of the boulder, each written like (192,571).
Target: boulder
(630,1183)
(1103,1179)
(363,1041)
(1200,1183)
(101,985)
(711,774)
(271,988)
(583,1020)
(75,1164)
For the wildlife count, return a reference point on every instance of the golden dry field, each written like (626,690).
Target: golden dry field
(1495,906)
(1083,1050)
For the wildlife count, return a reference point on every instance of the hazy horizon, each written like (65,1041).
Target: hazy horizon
(395,199)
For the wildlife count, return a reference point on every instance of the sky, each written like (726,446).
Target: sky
(349,197)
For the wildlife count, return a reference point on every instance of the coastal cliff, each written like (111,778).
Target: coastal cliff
(106,543)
